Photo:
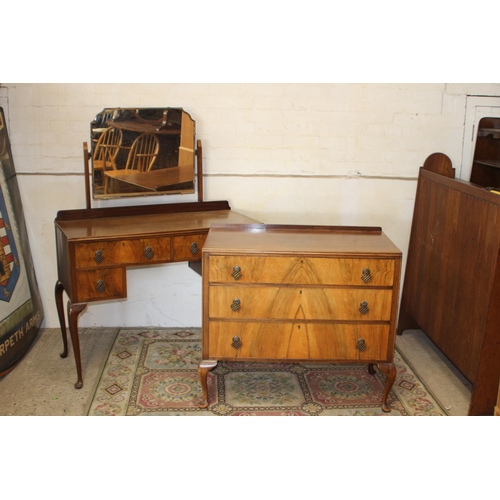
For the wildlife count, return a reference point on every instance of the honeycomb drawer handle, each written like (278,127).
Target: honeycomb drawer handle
(236,343)
(98,256)
(100,286)
(365,275)
(148,253)
(236,305)
(194,248)
(361,345)
(236,274)
(363,308)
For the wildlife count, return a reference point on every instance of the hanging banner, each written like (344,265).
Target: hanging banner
(21,311)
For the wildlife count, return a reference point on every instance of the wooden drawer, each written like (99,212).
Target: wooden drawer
(188,247)
(124,252)
(100,284)
(321,303)
(302,270)
(297,341)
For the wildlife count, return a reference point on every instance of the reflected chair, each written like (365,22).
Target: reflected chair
(143,153)
(106,150)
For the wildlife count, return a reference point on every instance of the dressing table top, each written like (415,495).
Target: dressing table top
(147,224)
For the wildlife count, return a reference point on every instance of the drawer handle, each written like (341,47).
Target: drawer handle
(363,307)
(366,276)
(236,343)
(236,274)
(98,257)
(236,305)
(100,286)
(361,345)
(194,248)
(148,253)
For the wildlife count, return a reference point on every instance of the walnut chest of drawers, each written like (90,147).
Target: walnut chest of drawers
(299,293)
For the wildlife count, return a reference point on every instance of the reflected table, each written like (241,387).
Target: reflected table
(154,180)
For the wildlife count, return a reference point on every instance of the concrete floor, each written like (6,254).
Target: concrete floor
(450,388)
(42,383)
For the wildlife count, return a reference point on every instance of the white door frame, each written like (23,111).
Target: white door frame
(476,108)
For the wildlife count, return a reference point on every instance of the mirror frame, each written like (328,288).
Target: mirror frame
(167,168)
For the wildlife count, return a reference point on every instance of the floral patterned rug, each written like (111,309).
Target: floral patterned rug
(154,372)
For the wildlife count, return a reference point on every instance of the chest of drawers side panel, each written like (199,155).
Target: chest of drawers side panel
(205,285)
(394,307)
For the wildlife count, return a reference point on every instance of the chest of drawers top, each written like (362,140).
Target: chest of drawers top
(320,241)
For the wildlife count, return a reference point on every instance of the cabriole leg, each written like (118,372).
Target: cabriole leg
(73,312)
(203,368)
(389,370)
(59,289)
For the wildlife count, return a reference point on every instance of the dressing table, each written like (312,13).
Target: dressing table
(95,246)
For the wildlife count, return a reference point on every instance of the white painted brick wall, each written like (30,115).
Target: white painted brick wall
(290,153)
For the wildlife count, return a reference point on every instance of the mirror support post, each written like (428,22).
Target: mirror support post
(87,173)
(199,162)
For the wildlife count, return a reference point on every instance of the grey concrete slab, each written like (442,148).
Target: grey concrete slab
(43,382)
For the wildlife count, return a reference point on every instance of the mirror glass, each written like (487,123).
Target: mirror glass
(142,151)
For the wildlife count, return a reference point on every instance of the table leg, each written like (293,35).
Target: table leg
(73,312)
(59,289)
(203,368)
(389,370)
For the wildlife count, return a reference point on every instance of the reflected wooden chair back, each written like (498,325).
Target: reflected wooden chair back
(143,153)
(106,150)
